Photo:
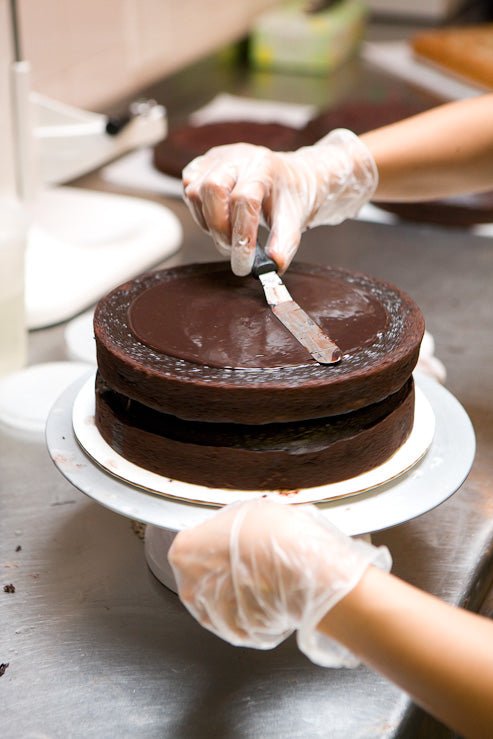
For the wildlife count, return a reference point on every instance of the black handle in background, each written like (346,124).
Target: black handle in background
(262,263)
(116,123)
(143,106)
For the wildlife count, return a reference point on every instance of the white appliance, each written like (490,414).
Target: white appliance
(80,244)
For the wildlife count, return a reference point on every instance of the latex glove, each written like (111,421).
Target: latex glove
(258,571)
(232,189)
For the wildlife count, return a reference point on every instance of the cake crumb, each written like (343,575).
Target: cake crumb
(18,548)
(3,667)
(139,529)
(10,588)
(288,492)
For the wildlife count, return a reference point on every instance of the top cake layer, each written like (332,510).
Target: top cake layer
(201,344)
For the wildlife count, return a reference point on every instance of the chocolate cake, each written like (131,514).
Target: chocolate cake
(362,116)
(198,381)
(186,142)
(458,211)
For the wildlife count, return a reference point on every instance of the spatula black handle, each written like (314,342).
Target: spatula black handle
(262,263)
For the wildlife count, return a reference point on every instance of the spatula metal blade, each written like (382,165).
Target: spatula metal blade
(299,324)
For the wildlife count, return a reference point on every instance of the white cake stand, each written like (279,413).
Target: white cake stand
(433,479)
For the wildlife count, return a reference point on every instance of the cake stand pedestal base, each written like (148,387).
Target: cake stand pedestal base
(157,543)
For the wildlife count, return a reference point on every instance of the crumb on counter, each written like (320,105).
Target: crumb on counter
(139,529)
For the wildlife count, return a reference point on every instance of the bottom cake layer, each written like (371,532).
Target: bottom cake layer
(274,456)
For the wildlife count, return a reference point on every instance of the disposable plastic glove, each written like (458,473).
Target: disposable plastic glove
(258,571)
(234,188)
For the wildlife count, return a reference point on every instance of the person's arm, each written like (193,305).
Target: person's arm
(232,189)
(257,571)
(444,151)
(441,655)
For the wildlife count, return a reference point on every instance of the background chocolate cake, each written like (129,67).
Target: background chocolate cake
(360,117)
(186,142)
(198,380)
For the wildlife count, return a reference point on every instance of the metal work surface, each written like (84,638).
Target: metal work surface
(98,648)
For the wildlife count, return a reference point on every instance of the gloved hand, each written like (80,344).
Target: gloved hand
(232,189)
(258,571)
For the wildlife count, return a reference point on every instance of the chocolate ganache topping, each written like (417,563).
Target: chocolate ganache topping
(170,339)
(218,320)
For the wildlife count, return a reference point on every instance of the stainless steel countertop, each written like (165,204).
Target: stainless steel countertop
(98,648)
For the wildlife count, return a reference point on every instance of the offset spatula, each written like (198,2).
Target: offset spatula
(294,318)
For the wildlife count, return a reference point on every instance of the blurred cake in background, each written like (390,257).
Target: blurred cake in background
(458,211)
(186,142)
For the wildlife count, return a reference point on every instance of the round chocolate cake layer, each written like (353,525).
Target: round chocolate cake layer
(460,211)
(184,143)
(266,457)
(360,117)
(379,365)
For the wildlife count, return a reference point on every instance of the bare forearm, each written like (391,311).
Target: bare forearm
(445,151)
(441,655)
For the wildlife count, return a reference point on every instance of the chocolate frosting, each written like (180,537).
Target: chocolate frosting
(219,320)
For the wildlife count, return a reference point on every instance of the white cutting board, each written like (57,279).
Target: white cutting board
(83,243)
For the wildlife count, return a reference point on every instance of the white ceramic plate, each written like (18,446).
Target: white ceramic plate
(96,447)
